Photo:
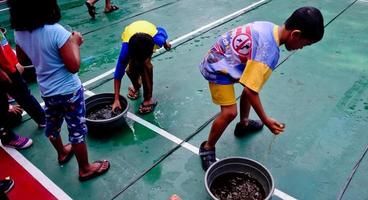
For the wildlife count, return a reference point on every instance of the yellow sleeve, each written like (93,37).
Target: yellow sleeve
(255,75)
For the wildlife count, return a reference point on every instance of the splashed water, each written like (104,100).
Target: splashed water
(130,124)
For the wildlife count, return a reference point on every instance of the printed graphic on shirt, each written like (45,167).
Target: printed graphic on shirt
(229,56)
(242,43)
(3,40)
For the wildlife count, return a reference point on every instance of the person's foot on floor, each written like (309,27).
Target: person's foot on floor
(91,9)
(175,197)
(66,155)
(97,168)
(6,185)
(253,126)
(111,9)
(208,156)
(19,142)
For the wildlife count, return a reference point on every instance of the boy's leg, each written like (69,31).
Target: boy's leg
(223,95)
(227,114)
(20,92)
(75,118)
(133,73)
(147,81)
(244,109)
(54,119)
(245,124)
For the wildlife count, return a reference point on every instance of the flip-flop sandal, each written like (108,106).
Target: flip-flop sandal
(208,157)
(112,9)
(91,10)
(67,158)
(133,94)
(96,173)
(145,109)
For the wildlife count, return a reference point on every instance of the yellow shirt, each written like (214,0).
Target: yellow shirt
(140,26)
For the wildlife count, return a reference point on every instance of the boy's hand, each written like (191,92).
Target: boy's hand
(16,109)
(167,46)
(116,105)
(20,68)
(77,37)
(275,126)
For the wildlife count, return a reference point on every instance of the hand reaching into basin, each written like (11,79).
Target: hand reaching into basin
(116,105)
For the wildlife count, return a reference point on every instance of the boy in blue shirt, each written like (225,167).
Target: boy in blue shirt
(249,54)
(139,40)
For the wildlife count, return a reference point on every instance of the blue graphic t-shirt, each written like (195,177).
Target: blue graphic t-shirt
(247,54)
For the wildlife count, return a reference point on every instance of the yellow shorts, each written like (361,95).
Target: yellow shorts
(223,95)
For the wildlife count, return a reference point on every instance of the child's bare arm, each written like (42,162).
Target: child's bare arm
(70,52)
(253,98)
(116,104)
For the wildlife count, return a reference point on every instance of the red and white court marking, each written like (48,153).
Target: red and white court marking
(29,181)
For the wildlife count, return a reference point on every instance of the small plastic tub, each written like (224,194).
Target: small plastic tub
(100,100)
(240,165)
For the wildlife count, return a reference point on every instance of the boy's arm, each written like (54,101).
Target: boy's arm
(70,52)
(116,104)
(253,98)
(119,73)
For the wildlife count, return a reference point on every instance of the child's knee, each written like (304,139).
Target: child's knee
(230,114)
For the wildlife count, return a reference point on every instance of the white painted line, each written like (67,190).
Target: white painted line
(89,93)
(282,195)
(37,174)
(163,133)
(99,77)
(4,9)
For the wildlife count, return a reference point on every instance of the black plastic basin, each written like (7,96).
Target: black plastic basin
(240,165)
(99,100)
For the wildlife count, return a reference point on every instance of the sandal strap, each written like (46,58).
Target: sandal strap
(207,153)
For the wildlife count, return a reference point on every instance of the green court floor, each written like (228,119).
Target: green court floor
(319,92)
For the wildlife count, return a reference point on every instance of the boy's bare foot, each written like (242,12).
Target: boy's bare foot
(97,168)
(111,9)
(175,197)
(67,153)
(147,106)
(133,94)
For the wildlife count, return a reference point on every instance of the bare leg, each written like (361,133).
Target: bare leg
(92,2)
(134,76)
(228,114)
(62,151)
(107,5)
(244,109)
(147,81)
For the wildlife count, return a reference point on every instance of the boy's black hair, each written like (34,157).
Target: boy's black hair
(28,15)
(309,21)
(140,47)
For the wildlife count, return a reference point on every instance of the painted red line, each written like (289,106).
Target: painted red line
(25,185)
